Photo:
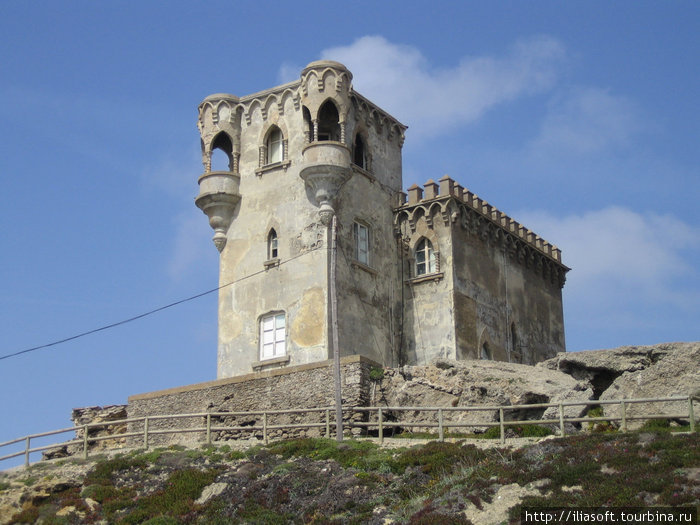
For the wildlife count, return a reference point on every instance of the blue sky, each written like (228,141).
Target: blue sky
(579,119)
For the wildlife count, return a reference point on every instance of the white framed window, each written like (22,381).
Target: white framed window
(360,233)
(272,336)
(275,146)
(426,262)
(272,244)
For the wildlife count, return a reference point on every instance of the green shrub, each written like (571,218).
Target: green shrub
(599,426)
(176,499)
(102,473)
(656,425)
(376,373)
(492,433)
(235,454)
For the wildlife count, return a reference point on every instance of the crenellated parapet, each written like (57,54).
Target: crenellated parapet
(372,116)
(449,202)
(319,82)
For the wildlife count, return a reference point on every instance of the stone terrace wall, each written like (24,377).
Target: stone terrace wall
(303,386)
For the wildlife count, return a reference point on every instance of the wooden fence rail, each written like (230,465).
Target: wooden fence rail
(375,420)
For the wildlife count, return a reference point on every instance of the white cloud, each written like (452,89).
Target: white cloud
(621,256)
(400,79)
(586,121)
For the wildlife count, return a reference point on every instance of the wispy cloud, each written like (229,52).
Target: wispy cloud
(175,177)
(587,121)
(431,100)
(616,252)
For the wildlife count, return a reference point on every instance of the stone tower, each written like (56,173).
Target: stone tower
(435,273)
(293,156)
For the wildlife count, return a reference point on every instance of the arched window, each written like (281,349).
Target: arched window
(272,244)
(222,153)
(425,257)
(274,146)
(328,122)
(358,152)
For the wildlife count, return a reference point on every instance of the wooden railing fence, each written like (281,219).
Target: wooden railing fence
(375,420)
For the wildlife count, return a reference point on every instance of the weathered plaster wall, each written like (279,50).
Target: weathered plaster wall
(304,386)
(429,323)
(497,283)
(367,292)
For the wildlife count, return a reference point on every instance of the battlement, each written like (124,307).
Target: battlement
(447,189)
(323,78)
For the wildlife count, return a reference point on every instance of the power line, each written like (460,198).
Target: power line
(151,312)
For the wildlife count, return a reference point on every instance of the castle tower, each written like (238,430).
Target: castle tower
(278,165)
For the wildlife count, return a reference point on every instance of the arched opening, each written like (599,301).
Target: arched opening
(358,152)
(425,257)
(221,153)
(308,125)
(274,146)
(272,244)
(485,351)
(328,122)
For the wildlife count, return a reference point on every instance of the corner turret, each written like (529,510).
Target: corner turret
(219,128)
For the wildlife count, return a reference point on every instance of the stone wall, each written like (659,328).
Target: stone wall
(303,386)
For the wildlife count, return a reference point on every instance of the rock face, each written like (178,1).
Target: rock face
(629,372)
(91,415)
(478,383)
(664,370)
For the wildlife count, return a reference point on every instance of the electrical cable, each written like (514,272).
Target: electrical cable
(151,312)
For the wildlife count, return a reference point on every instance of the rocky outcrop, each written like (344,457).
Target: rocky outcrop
(92,415)
(636,372)
(663,370)
(478,383)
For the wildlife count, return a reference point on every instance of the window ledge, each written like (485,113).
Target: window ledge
(275,361)
(362,266)
(363,171)
(272,167)
(425,278)
(271,263)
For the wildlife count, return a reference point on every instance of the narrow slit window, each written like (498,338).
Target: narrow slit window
(272,252)
(361,236)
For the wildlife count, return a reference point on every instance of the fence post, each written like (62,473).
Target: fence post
(562,432)
(85,441)
(328,423)
(440,428)
(381,429)
(208,428)
(145,432)
(503,429)
(26,451)
(265,427)
(691,415)
(624,416)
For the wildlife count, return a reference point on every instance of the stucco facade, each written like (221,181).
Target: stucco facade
(435,273)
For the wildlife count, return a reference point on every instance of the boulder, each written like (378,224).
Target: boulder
(600,368)
(676,373)
(99,414)
(449,383)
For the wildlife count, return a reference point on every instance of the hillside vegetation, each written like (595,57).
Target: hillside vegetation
(321,481)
